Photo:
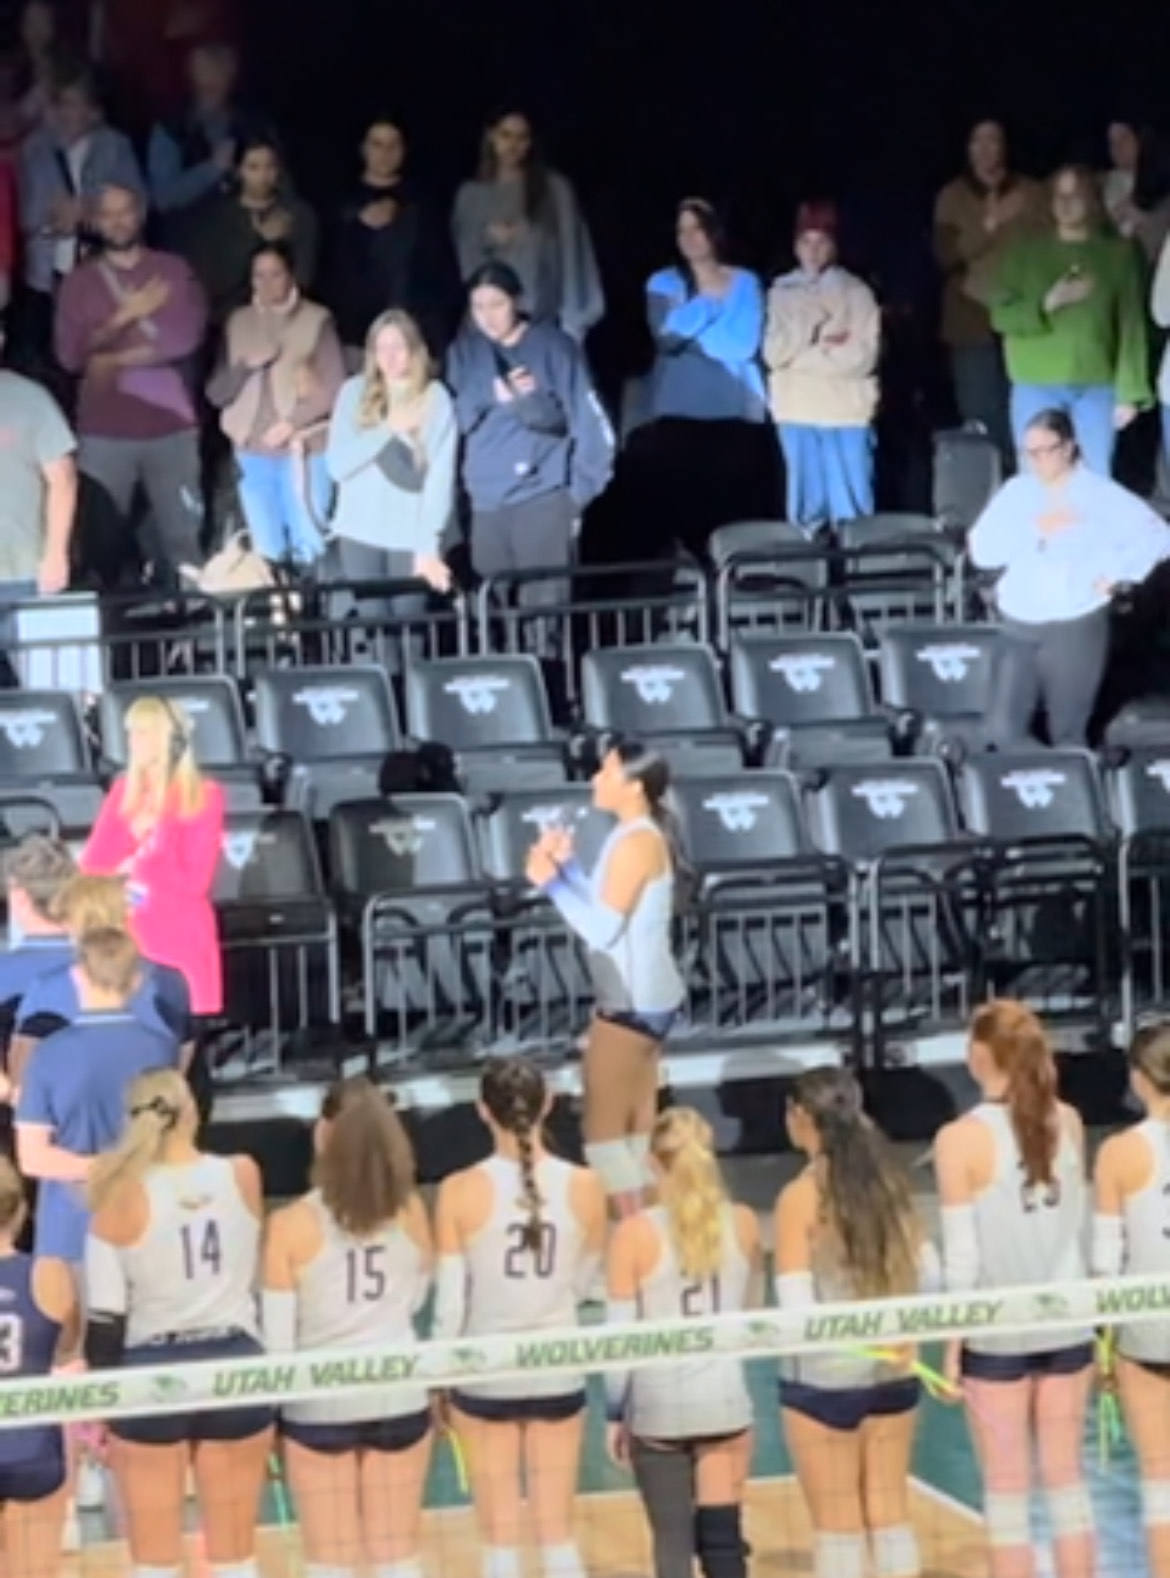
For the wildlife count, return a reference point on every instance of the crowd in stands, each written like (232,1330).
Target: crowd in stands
(367,384)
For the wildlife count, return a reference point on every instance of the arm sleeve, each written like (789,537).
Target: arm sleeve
(227,380)
(582,295)
(735,333)
(618,1312)
(105,1277)
(1107,1247)
(187,861)
(450,1298)
(466,232)
(597,924)
(437,505)
(36,191)
(171,186)
(796,1290)
(328,370)
(591,463)
(111,840)
(930,1268)
(182,323)
(474,400)
(786,333)
(1138,543)
(858,357)
(278,1320)
(1132,378)
(351,448)
(960,1248)
(71,331)
(1017,296)
(675,320)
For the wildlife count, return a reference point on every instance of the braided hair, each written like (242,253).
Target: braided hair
(514,1094)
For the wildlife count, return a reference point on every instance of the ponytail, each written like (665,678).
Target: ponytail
(691,1191)
(1015,1040)
(514,1094)
(521,1128)
(155,1103)
(866,1201)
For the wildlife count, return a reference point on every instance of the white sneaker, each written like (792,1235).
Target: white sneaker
(71,1531)
(90,1490)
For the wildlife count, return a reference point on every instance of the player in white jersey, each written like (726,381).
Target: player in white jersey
(847,1228)
(519,1240)
(1131,1237)
(348,1267)
(685,1429)
(171,1266)
(624,913)
(1011,1181)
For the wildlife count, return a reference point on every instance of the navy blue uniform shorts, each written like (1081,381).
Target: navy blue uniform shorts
(218,1424)
(369,1435)
(847,1408)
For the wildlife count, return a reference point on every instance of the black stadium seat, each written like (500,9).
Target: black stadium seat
(44,755)
(1138,786)
(509,824)
(330,728)
(944,675)
(409,884)
(668,696)
(273,908)
(741,824)
(812,697)
(211,705)
(1044,814)
(492,713)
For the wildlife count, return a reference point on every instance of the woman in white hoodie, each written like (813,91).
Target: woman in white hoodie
(821,347)
(391,451)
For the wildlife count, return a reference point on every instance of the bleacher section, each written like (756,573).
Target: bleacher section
(865,870)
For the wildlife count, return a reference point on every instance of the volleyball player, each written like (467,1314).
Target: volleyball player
(160,1000)
(686,1429)
(349,1266)
(1131,1237)
(1011,1181)
(624,913)
(38,1327)
(519,1240)
(847,1228)
(171,1267)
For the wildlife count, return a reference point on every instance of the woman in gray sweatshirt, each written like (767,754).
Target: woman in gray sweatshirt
(519,212)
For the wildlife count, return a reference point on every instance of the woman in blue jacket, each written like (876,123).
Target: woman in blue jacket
(538,448)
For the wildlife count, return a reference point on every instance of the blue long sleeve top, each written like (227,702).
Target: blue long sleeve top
(708,361)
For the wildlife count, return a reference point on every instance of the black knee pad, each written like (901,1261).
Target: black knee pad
(719,1542)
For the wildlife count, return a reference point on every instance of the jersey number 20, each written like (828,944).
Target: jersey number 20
(522,1259)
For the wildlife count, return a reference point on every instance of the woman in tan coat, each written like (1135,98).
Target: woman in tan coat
(276,383)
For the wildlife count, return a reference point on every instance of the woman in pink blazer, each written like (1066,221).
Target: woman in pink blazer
(160,827)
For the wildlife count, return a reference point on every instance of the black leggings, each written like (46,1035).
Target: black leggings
(1059,666)
(682,1531)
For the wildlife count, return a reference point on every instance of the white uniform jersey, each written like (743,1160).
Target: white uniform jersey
(1146,1222)
(195,1267)
(839,1371)
(701,1397)
(360,1293)
(1030,1234)
(511,1288)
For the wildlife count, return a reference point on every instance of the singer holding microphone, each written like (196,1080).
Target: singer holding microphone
(161,827)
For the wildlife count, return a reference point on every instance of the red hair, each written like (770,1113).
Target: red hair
(1020,1050)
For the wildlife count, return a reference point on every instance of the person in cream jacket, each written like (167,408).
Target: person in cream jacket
(821,347)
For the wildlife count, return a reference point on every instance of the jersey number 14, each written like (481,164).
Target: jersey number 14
(202,1249)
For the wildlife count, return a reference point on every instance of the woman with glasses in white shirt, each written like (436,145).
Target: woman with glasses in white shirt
(1064,538)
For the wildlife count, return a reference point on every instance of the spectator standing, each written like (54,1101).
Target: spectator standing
(1070,304)
(38,492)
(1064,537)
(279,375)
(42,60)
(129,322)
(519,212)
(191,155)
(393,444)
(258,207)
(161,826)
(538,447)
(975,216)
(64,168)
(707,321)
(387,249)
(1124,141)
(822,346)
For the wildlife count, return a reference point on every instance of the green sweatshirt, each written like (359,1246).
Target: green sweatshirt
(1101,340)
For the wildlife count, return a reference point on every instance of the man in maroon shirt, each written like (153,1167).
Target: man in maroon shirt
(129,322)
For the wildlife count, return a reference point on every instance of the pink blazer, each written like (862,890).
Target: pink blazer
(172,870)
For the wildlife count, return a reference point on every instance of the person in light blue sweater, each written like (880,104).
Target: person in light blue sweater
(707,320)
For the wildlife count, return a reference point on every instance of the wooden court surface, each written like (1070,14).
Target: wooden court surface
(614,1542)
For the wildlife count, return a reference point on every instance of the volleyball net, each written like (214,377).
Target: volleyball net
(610,1525)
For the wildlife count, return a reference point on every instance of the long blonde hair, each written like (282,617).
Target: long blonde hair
(183,784)
(91,903)
(377,397)
(155,1103)
(691,1191)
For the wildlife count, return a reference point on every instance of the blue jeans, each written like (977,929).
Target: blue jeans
(273,498)
(1090,406)
(830,473)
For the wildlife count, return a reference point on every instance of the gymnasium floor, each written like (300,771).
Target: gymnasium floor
(612,1530)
